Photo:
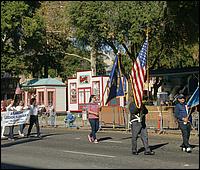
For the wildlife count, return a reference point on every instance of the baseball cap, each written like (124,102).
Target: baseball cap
(181,96)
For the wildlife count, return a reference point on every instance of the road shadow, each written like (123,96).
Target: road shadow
(194,146)
(104,138)
(153,147)
(13,166)
(32,138)
(126,138)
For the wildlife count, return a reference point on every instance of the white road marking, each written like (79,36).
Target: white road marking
(93,154)
(186,165)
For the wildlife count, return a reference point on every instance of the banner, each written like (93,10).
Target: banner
(10,118)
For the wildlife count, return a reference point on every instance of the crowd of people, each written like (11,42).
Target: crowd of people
(137,120)
(138,123)
(34,111)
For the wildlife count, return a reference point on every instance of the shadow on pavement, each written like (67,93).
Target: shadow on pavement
(194,146)
(13,166)
(26,140)
(126,138)
(153,147)
(104,138)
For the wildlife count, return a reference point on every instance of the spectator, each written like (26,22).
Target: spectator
(70,118)
(52,115)
(44,117)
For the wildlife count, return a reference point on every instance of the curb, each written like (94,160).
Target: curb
(155,131)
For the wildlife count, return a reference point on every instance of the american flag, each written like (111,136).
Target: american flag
(138,73)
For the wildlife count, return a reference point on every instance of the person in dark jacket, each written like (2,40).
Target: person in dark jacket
(138,126)
(181,113)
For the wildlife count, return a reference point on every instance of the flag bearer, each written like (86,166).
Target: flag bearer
(183,122)
(138,126)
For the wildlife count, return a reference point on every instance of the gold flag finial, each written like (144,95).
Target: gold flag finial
(147,32)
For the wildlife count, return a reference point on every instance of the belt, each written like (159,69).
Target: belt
(136,119)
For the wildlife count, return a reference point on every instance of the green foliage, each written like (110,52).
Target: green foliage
(36,35)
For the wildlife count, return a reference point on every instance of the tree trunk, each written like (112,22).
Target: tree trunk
(45,71)
(93,56)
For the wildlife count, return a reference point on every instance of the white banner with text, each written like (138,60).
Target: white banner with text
(10,118)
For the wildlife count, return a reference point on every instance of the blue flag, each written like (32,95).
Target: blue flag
(194,99)
(115,84)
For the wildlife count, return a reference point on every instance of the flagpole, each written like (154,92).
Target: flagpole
(101,103)
(147,36)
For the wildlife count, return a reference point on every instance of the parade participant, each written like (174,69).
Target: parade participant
(181,113)
(21,108)
(138,127)
(3,109)
(34,117)
(93,117)
(11,107)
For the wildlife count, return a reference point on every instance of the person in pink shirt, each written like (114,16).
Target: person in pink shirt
(93,117)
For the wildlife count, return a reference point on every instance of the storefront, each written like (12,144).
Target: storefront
(82,86)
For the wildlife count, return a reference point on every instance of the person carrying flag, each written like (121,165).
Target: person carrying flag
(138,126)
(181,113)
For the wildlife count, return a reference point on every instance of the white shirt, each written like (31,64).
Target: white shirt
(10,108)
(19,108)
(51,111)
(34,110)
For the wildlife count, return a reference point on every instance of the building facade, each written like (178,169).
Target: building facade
(46,91)
(83,85)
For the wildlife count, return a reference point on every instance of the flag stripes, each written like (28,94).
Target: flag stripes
(138,73)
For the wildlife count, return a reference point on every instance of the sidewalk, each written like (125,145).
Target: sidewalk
(86,126)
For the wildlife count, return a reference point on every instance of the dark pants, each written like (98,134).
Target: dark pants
(34,120)
(139,128)
(94,123)
(185,129)
(11,132)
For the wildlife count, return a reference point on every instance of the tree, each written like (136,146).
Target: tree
(182,32)
(121,25)
(11,29)
(21,37)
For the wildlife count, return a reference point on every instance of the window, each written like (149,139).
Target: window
(84,95)
(81,96)
(96,89)
(87,95)
(41,98)
(50,97)
(73,95)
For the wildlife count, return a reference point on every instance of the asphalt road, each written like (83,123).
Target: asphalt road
(62,148)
